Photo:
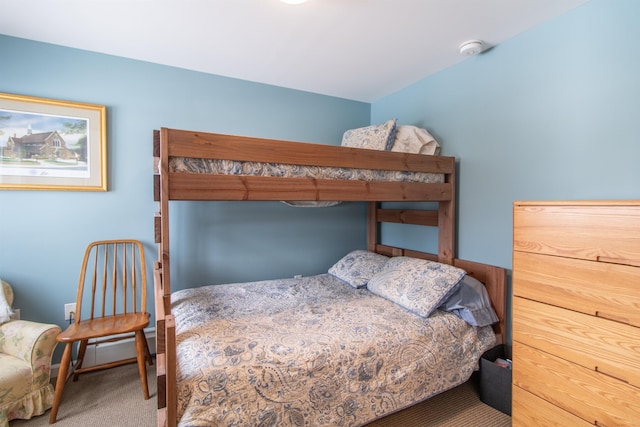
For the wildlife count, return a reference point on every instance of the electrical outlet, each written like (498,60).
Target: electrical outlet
(68,309)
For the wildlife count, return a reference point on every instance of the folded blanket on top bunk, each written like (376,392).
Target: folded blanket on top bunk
(389,137)
(320,350)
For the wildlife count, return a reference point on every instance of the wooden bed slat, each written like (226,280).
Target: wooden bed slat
(373,229)
(446,231)
(162,379)
(231,147)
(156,143)
(157,227)
(158,301)
(171,366)
(408,216)
(156,188)
(395,251)
(188,186)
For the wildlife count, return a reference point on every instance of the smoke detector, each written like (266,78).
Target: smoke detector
(472,47)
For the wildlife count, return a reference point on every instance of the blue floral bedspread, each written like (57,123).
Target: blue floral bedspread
(230,167)
(311,352)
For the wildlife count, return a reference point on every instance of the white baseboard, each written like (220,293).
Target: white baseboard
(112,351)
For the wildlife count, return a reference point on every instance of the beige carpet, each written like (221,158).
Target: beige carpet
(458,407)
(113,398)
(109,398)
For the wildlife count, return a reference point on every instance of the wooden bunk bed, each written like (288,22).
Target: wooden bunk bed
(175,184)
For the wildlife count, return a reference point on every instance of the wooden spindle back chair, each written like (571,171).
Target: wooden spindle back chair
(110,306)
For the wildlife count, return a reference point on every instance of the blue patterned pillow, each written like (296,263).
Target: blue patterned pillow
(471,303)
(357,267)
(374,137)
(418,285)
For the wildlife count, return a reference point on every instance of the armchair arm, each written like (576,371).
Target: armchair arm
(32,342)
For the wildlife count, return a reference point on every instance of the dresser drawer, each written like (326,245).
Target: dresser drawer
(589,395)
(605,290)
(530,410)
(596,231)
(598,344)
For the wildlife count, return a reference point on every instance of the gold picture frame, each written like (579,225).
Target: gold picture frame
(47,144)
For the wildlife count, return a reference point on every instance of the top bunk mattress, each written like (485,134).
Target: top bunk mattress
(267,169)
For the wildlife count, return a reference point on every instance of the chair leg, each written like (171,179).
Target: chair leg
(147,352)
(81,352)
(141,355)
(60,381)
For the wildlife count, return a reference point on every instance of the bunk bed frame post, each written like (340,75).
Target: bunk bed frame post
(372,226)
(165,322)
(447,224)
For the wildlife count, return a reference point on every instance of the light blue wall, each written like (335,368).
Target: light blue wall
(43,233)
(551,114)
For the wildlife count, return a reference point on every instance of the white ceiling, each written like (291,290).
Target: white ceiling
(355,49)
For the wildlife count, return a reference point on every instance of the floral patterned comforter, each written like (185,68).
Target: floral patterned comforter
(311,352)
(230,167)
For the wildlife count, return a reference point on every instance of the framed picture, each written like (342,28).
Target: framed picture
(47,144)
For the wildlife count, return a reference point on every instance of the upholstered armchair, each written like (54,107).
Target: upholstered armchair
(25,366)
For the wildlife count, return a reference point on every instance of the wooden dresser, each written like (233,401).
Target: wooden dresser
(576,313)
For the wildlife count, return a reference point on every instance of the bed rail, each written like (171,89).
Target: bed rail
(199,186)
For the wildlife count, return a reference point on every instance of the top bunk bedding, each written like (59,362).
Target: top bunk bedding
(283,170)
(209,166)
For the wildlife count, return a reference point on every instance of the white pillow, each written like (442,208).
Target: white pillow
(412,139)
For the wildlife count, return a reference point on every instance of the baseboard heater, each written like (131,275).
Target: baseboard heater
(112,351)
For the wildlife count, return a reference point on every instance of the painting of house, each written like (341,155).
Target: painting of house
(45,145)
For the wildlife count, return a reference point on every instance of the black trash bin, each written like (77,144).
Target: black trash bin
(495,380)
